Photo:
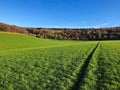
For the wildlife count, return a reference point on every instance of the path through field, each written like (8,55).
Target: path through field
(82,72)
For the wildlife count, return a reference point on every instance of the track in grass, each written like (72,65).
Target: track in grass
(103,70)
(82,72)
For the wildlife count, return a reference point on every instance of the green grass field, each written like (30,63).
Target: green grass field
(17,41)
(29,63)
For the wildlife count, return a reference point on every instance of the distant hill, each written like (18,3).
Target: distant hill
(66,33)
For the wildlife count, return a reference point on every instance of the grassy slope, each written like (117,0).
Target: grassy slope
(14,41)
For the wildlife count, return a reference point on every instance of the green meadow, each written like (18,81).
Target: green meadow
(29,63)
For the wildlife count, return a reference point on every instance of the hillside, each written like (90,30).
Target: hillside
(15,41)
(66,33)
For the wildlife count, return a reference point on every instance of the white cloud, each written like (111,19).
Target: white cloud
(101,25)
(77,25)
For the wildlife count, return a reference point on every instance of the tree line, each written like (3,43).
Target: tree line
(66,33)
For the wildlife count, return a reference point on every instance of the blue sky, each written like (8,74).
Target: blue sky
(61,13)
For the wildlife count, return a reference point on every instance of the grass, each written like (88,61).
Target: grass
(29,63)
(15,41)
(103,70)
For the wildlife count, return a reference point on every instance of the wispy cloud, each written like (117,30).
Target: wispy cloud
(101,25)
(98,25)
(78,25)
